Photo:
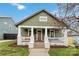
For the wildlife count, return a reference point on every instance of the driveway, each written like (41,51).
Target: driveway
(38,52)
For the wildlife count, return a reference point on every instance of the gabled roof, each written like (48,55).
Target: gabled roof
(26,18)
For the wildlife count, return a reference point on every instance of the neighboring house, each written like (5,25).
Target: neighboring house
(73,38)
(42,27)
(74,25)
(8,29)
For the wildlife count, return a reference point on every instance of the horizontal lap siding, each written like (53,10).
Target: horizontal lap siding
(1,37)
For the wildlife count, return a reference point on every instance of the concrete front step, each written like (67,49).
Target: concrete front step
(39,45)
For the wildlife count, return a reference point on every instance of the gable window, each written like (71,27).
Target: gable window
(43,18)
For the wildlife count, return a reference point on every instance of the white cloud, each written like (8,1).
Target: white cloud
(19,6)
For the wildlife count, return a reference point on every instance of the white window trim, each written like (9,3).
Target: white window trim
(45,20)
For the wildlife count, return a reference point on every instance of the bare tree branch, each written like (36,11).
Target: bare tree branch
(69,13)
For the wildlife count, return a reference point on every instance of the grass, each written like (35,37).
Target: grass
(7,50)
(63,51)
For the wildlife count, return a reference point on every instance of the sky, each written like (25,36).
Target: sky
(19,10)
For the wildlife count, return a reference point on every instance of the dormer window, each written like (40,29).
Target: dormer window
(43,18)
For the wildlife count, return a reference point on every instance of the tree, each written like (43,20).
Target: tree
(69,12)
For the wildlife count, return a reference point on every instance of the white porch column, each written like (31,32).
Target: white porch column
(19,40)
(46,41)
(65,37)
(31,43)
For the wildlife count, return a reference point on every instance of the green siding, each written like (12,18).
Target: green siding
(34,21)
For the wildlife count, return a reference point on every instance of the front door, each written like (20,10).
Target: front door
(39,35)
(39,41)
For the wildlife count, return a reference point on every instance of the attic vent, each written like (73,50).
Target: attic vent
(43,18)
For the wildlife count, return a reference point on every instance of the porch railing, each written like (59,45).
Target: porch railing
(25,39)
(56,39)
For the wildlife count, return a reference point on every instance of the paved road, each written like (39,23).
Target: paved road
(38,52)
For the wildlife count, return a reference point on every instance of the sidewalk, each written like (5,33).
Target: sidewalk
(38,52)
(6,40)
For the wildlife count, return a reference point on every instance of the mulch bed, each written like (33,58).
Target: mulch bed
(58,46)
(15,45)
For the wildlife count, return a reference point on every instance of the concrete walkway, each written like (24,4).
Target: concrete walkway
(38,52)
(6,40)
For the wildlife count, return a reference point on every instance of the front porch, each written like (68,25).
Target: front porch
(28,35)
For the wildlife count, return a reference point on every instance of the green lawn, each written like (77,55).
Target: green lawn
(7,50)
(63,51)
